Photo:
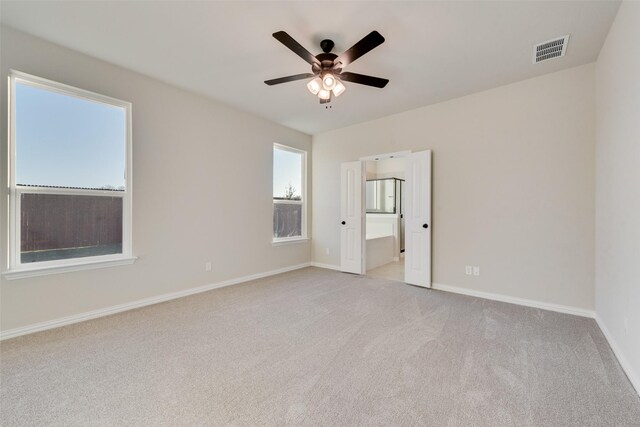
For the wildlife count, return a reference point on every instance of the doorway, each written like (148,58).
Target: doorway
(399,217)
(384,217)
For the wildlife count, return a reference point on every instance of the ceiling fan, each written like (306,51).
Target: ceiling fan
(327,68)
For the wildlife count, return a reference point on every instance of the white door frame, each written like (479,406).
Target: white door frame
(393,155)
(397,154)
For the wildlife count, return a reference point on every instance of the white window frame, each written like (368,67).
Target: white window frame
(303,197)
(16,268)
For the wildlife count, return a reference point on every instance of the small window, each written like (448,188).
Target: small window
(289,188)
(70,169)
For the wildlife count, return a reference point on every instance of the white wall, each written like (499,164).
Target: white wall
(371,169)
(618,188)
(391,168)
(513,185)
(202,190)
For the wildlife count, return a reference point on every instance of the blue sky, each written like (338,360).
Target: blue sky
(287,169)
(66,141)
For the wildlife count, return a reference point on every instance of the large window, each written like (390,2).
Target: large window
(289,188)
(70,186)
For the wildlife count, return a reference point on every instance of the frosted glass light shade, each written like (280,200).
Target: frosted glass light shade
(315,85)
(324,94)
(339,88)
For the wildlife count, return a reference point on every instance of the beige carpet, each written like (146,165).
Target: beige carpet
(317,347)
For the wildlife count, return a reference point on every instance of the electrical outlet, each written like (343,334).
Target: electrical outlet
(476,270)
(207,266)
(468,270)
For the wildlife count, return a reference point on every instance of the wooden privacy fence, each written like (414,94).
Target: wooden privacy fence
(54,221)
(287,219)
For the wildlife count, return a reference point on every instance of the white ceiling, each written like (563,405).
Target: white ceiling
(433,51)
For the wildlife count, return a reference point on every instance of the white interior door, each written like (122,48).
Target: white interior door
(352,218)
(417,214)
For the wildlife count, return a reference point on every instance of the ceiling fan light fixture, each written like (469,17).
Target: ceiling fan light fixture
(315,85)
(328,81)
(324,94)
(327,69)
(339,88)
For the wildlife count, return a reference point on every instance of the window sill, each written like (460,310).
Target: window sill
(85,265)
(280,242)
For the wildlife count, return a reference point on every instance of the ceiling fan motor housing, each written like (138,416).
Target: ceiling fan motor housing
(326,62)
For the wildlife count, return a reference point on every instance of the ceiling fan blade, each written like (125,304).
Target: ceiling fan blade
(368,42)
(296,47)
(363,79)
(288,79)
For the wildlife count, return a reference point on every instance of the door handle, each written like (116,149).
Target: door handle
(425,225)
(343,223)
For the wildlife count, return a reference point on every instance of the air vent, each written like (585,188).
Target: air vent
(550,49)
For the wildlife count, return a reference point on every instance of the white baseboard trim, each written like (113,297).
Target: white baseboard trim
(327,266)
(76,318)
(515,300)
(634,379)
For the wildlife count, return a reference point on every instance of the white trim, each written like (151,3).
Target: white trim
(395,155)
(515,300)
(64,89)
(634,379)
(14,201)
(81,317)
(288,202)
(66,266)
(303,193)
(16,268)
(327,266)
(289,240)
